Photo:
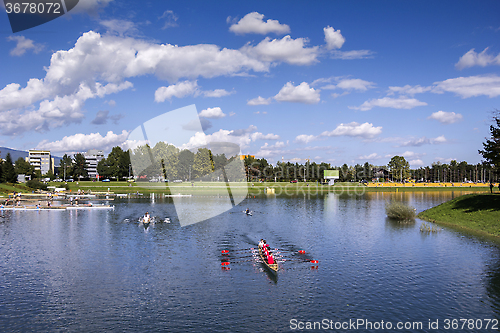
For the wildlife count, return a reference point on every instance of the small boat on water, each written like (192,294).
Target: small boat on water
(272,268)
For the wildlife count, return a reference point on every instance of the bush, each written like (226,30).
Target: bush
(399,211)
(36,185)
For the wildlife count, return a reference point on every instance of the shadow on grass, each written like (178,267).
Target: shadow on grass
(476,202)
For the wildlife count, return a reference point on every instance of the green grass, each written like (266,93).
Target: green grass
(6,188)
(254,188)
(476,213)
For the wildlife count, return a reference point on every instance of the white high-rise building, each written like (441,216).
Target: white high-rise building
(41,160)
(92,158)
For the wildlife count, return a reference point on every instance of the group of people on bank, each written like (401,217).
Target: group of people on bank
(264,247)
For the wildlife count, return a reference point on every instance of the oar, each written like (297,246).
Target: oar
(241,250)
(226,263)
(312,261)
(238,257)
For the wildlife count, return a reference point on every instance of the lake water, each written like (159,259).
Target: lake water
(100,271)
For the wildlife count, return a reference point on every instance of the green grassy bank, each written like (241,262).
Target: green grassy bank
(474,213)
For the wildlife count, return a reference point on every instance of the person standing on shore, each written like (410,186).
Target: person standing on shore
(491,187)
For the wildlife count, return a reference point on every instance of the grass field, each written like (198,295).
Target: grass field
(475,213)
(220,188)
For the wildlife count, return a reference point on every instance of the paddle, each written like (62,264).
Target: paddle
(312,261)
(241,250)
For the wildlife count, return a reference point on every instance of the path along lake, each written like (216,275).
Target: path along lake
(100,271)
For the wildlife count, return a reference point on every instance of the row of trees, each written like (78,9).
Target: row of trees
(168,162)
(398,169)
(165,161)
(10,170)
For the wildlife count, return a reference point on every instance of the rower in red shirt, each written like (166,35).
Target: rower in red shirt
(270,258)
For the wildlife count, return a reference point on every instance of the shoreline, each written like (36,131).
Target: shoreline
(217,188)
(477,214)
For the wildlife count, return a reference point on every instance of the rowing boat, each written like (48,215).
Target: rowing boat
(273,268)
(90,207)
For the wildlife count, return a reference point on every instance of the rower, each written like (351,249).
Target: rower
(146,217)
(247,211)
(261,243)
(270,258)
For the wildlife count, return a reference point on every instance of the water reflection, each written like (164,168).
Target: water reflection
(99,271)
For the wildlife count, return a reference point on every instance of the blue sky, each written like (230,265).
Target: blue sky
(337,82)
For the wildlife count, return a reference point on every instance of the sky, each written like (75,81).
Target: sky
(329,81)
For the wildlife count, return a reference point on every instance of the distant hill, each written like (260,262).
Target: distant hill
(15,154)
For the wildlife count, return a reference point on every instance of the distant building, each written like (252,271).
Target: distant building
(92,158)
(242,157)
(380,172)
(41,160)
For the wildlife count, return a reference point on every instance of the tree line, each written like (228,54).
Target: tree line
(167,162)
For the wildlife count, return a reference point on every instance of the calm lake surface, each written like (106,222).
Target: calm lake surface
(100,271)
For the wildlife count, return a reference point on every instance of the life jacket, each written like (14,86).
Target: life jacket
(270,260)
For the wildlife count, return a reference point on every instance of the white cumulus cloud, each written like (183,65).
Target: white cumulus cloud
(471,86)
(259,101)
(365,130)
(483,59)
(304,138)
(83,142)
(446,117)
(298,94)
(287,49)
(179,90)
(213,113)
(333,38)
(388,102)
(23,44)
(355,84)
(254,23)
(416,163)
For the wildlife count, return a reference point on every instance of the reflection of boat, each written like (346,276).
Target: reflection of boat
(272,268)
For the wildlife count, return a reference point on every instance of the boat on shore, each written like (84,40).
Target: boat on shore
(57,208)
(90,207)
(272,268)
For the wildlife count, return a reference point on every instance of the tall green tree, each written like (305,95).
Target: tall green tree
(367,171)
(166,158)
(24,168)
(399,168)
(80,167)
(185,165)
(9,173)
(66,167)
(491,148)
(203,163)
